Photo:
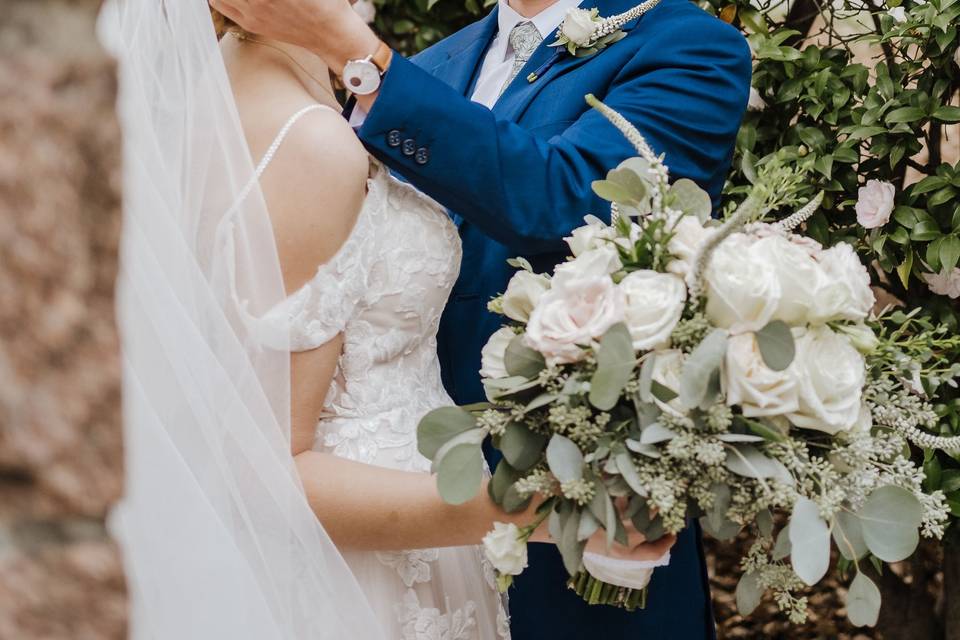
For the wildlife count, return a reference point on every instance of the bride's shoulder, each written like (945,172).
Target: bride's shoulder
(315,187)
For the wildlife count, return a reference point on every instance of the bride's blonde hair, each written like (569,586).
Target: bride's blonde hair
(222,24)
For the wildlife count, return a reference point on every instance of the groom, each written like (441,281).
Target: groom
(491,123)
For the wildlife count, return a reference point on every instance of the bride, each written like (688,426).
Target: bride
(279,300)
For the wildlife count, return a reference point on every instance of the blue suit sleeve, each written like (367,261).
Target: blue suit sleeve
(685,88)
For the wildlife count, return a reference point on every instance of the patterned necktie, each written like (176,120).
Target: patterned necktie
(524,38)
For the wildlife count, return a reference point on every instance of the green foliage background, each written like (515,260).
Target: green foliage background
(413,25)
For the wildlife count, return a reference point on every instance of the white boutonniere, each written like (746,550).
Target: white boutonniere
(584,32)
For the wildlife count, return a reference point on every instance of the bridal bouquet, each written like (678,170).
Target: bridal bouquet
(678,367)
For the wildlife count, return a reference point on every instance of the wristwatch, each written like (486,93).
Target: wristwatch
(363,77)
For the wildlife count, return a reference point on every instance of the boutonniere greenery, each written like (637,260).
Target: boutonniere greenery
(584,32)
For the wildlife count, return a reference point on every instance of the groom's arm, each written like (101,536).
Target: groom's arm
(685,92)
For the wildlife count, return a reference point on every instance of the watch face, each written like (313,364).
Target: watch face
(361,77)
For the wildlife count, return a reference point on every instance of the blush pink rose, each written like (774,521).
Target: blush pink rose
(875,203)
(572,314)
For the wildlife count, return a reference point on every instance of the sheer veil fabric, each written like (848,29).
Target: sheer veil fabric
(217,536)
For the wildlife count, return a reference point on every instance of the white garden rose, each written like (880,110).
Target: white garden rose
(945,283)
(590,236)
(601,261)
(572,314)
(667,370)
(492,354)
(830,374)
(753,386)
(798,273)
(505,550)
(578,26)
(654,304)
(756,101)
(743,290)
(845,292)
(522,294)
(875,203)
(689,234)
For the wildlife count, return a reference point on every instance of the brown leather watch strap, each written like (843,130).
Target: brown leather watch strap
(382,57)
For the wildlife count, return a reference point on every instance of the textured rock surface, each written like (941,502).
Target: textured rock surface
(60,448)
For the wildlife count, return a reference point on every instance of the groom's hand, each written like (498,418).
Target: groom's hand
(330,28)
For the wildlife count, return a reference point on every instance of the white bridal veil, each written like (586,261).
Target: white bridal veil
(218,539)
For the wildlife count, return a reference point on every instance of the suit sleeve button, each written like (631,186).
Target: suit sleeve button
(423,156)
(393,138)
(409,147)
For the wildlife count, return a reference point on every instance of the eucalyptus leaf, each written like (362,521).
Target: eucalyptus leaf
(460,473)
(749,462)
(655,433)
(863,601)
(522,361)
(717,512)
(615,365)
(644,449)
(588,526)
(776,345)
(503,478)
(781,548)
(629,472)
(749,593)
(514,501)
(739,437)
(765,523)
(700,367)
(727,531)
(571,549)
(848,535)
(521,447)
(890,519)
(646,378)
(651,527)
(809,542)
(439,426)
(473,437)
(564,459)
(689,198)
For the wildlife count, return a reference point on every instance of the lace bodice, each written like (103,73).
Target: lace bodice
(384,291)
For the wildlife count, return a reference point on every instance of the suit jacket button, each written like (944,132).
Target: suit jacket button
(423,156)
(409,147)
(393,138)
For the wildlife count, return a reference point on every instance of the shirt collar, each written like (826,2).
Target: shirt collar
(546,21)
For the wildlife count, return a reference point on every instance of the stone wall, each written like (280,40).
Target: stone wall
(60,448)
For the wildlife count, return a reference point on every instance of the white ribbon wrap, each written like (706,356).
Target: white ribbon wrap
(632,574)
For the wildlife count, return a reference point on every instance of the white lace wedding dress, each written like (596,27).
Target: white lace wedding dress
(384,291)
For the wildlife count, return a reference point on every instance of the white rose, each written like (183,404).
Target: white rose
(505,550)
(654,304)
(743,290)
(492,354)
(601,261)
(875,203)
(522,294)
(756,101)
(578,26)
(845,293)
(830,374)
(572,314)
(799,274)
(366,10)
(667,370)
(899,14)
(945,283)
(749,383)
(688,236)
(590,236)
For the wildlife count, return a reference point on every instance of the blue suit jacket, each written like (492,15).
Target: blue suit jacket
(517,180)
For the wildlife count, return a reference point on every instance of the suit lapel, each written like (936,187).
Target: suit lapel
(464,59)
(552,62)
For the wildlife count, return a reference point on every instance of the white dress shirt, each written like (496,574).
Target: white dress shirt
(498,61)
